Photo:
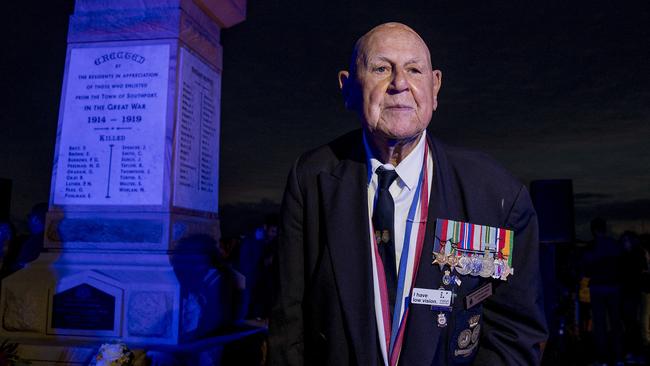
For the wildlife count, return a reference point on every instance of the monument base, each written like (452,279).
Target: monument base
(137,298)
(207,351)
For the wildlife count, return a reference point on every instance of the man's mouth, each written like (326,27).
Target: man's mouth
(399,107)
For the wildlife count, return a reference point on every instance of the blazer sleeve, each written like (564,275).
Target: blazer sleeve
(286,340)
(514,325)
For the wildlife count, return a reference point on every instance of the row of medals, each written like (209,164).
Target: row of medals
(484,265)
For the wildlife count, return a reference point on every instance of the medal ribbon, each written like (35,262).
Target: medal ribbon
(463,238)
(394,331)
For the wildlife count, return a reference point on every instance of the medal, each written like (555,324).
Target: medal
(452,260)
(446,279)
(473,321)
(488,265)
(464,338)
(475,333)
(463,265)
(499,268)
(507,270)
(439,259)
(476,265)
(442,320)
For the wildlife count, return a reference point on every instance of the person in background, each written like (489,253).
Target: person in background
(7,238)
(255,263)
(31,248)
(25,249)
(602,262)
(228,250)
(632,266)
(644,241)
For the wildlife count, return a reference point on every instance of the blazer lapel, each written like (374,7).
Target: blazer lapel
(422,332)
(344,193)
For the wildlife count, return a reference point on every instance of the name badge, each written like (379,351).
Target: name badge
(425,296)
(477,296)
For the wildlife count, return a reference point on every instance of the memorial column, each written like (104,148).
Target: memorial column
(133,216)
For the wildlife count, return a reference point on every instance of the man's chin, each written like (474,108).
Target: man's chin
(395,138)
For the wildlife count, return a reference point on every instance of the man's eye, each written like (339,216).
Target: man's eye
(380,69)
(415,70)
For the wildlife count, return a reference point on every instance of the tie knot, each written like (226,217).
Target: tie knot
(386,177)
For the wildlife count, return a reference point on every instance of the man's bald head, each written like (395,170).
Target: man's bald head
(391,85)
(359,53)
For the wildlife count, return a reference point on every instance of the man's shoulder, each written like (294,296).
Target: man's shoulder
(478,169)
(326,157)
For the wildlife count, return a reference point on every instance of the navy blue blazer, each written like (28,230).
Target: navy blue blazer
(324,311)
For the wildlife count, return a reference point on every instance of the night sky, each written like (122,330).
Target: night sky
(551,89)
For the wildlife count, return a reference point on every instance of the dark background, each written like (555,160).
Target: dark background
(552,89)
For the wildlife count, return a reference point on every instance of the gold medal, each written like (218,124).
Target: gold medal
(439,259)
(452,260)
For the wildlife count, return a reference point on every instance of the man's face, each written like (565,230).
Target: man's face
(395,87)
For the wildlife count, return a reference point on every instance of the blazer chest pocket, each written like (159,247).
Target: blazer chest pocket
(464,340)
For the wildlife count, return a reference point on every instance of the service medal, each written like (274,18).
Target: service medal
(439,259)
(452,260)
(498,268)
(488,266)
(507,270)
(476,265)
(464,265)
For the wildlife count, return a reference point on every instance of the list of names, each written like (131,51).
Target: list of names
(111,146)
(196,170)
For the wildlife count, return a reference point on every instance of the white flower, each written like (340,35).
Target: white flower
(112,354)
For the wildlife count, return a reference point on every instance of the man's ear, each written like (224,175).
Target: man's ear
(344,75)
(345,84)
(437,83)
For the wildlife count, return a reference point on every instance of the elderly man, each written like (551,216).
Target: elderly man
(397,249)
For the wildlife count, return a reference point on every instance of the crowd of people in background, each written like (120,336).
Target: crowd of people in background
(18,248)
(604,305)
(604,301)
(252,255)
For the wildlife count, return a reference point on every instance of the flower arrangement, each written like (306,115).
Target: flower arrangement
(9,356)
(113,354)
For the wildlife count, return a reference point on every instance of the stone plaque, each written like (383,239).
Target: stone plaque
(196,168)
(111,147)
(83,307)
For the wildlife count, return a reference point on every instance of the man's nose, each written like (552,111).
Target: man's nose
(399,82)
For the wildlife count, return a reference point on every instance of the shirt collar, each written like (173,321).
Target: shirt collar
(408,169)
